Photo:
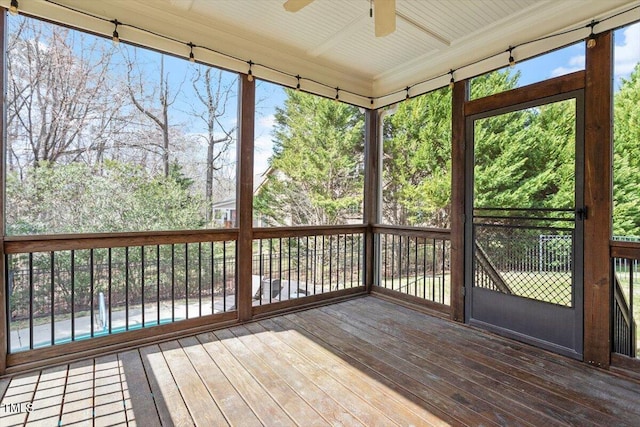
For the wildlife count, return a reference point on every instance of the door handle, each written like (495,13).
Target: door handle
(581,213)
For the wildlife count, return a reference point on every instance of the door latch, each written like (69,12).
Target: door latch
(581,213)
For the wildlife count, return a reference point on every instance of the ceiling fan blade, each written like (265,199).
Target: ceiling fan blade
(295,5)
(384,14)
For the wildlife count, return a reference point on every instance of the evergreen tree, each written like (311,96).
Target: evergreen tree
(416,164)
(315,172)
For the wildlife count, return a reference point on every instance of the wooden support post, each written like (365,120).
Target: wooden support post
(371,191)
(244,197)
(597,197)
(458,179)
(4,298)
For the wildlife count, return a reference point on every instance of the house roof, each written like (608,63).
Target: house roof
(331,43)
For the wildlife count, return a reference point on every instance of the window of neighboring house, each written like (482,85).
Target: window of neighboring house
(111,138)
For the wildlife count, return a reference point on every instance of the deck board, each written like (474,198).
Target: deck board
(497,376)
(401,411)
(261,402)
(202,408)
(169,402)
(461,382)
(364,361)
(138,400)
(107,395)
(595,394)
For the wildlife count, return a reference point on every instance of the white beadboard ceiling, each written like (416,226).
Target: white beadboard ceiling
(333,42)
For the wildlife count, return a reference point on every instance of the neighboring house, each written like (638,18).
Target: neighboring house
(224,211)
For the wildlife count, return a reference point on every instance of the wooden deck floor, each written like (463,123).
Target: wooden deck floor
(361,362)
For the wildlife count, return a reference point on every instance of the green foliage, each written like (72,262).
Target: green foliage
(74,198)
(626,157)
(417,161)
(523,159)
(526,159)
(315,171)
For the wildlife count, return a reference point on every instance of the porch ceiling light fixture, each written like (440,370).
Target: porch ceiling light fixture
(512,61)
(298,83)
(116,36)
(407,96)
(452,82)
(192,57)
(591,41)
(250,73)
(13,8)
(337,98)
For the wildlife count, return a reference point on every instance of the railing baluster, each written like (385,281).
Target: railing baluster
(260,270)
(433,273)
(632,343)
(298,261)
(322,265)
(53,298)
(415,287)
(344,269)
(199,279)
(393,263)
(110,273)
(31,300)
(213,279)
(7,292)
(173,283)
(314,262)
(126,287)
(279,265)
(73,294)
(91,280)
(186,280)
(306,268)
(337,263)
(408,262)
(444,260)
(270,268)
(157,284)
(142,281)
(224,276)
(289,262)
(424,269)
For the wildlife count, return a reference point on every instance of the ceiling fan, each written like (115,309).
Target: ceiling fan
(384,14)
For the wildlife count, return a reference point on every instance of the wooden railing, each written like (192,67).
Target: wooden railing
(413,264)
(626,271)
(303,262)
(84,291)
(69,288)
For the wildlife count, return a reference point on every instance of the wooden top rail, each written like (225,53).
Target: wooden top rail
(547,88)
(65,242)
(316,230)
(431,233)
(629,250)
